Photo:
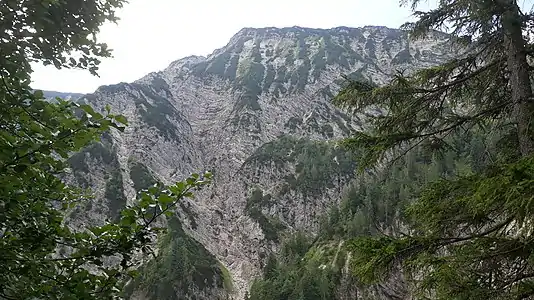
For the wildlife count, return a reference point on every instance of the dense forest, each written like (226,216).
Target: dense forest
(311,267)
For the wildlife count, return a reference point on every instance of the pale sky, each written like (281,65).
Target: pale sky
(153,33)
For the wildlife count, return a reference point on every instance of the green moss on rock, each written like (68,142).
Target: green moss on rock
(318,164)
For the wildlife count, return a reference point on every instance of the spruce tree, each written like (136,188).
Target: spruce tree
(470,236)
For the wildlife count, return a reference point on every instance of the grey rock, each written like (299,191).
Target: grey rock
(268,87)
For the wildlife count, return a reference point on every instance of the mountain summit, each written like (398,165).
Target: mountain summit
(257,112)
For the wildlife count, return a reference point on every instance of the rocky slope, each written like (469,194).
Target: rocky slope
(257,113)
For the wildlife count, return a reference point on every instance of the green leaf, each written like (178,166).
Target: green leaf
(121,119)
(178,188)
(88,109)
(165,199)
(38,94)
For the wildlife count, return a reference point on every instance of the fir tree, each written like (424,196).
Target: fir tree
(470,236)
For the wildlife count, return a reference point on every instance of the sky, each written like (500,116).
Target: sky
(153,33)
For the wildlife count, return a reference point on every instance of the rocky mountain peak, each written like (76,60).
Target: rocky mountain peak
(258,113)
(284,60)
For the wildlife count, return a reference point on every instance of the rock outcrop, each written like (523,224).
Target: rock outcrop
(257,113)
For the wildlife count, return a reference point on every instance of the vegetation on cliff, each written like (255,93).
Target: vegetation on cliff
(454,215)
(372,204)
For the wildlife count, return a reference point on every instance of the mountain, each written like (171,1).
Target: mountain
(63,95)
(256,112)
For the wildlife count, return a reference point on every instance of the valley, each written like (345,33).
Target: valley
(258,113)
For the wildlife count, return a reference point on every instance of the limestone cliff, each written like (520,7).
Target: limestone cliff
(257,113)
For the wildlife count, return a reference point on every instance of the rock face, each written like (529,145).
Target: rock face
(257,113)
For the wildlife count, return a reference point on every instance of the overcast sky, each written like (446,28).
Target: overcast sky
(153,33)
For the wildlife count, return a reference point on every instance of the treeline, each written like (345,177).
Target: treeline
(310,268)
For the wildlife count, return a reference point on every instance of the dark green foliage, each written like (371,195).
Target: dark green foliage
(392,37)
(247,121)
(182,266)
(247,99)
(299,79)
(293,123)
(111,88)
(300,272)
(256,55)
(318,63)
(505,191)
(326,92)
(218,66)
(469,232)
(101,152)
(190,214)
(316,166)
(302,48)
(269,78)
(357,75)
(253,77)
(370,47)
(224,64)
(98,151)
(290,58)
(279,80)
(114,194)
(54,94)
(269,270)
(339,122)
(141,176)
(372,202)
(157,114)
(250,82)
(231,69)
(157,83)
(270,225)
(403,57)
(258,199)
(281,74)
(335,53)
(377,199)
(327,130)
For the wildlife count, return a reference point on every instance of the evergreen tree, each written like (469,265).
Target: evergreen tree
(470,236)
(269,271)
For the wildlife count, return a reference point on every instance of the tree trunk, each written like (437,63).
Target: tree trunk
(519,76)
